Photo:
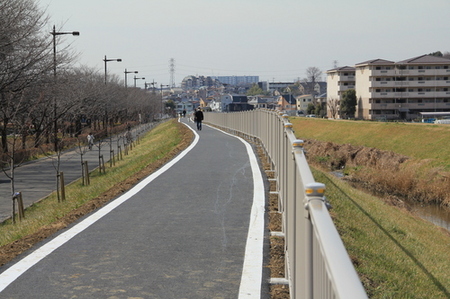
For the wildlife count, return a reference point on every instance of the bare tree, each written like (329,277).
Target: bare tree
(24,54)
(313,75)
(333,107)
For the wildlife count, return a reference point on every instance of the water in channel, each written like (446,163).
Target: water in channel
(432,212)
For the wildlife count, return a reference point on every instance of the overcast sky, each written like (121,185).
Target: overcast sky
(275,40)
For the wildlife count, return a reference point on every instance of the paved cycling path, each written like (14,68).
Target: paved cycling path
(194,229)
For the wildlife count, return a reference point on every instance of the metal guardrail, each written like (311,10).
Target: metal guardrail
(317,263)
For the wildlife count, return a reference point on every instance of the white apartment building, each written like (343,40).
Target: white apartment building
(399,90)
(338,80)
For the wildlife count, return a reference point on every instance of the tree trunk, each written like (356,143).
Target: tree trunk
(4,134)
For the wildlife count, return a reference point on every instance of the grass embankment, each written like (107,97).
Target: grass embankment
(418,141)
(47,216)
(397,254)
(406,162)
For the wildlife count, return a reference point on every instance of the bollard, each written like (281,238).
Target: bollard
(62,186)
(102,164)
(17,197)
(112,161)
(119,154)
(86,180)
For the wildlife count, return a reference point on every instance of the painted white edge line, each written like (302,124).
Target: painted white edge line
(16,270)
(251,279)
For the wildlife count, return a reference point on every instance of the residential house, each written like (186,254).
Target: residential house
(184,105)
(257,102)
(303,101)
(279,86)
(320,88)
(204,102)
(216,105)
(287,102)
(231,102)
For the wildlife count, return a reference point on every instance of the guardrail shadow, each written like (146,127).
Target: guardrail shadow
(435,281)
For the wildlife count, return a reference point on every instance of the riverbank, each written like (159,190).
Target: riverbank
(405,162)
(395,252)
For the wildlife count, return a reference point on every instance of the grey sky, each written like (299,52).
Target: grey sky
(276,40)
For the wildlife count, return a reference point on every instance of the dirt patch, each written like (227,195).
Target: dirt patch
(335,156)
(279,291)
(10,251)
(274,214)
(277,256)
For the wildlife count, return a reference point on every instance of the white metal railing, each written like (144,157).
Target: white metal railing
(317,263)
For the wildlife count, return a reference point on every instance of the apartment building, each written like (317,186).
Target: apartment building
(395,90)
(401,90)
(338,80)
(237,80)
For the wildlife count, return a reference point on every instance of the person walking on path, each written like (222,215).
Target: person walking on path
(90,139)
(198,117)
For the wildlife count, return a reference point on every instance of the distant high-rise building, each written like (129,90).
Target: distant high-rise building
(237,80)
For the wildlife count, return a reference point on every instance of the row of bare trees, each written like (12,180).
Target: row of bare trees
(39,109)
(34,102)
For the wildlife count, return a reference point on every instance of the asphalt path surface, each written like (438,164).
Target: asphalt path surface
(37,179)
(184,232)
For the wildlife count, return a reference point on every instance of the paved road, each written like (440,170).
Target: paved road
(37,179)
(181,233)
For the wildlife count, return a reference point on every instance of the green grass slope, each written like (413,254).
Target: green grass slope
(415,140)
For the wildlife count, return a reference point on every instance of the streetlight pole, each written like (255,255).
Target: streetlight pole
(152,84)
(137,79)
(54,33)
(108,60)
(126,75)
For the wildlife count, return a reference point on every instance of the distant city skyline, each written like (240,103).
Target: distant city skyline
(275,40)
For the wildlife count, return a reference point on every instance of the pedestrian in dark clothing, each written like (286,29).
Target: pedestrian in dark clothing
(184,113)
(198,118)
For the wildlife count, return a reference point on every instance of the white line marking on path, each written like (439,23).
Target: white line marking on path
(251,278)
(12,273)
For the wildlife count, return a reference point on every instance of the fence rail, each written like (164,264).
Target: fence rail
(317,263)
